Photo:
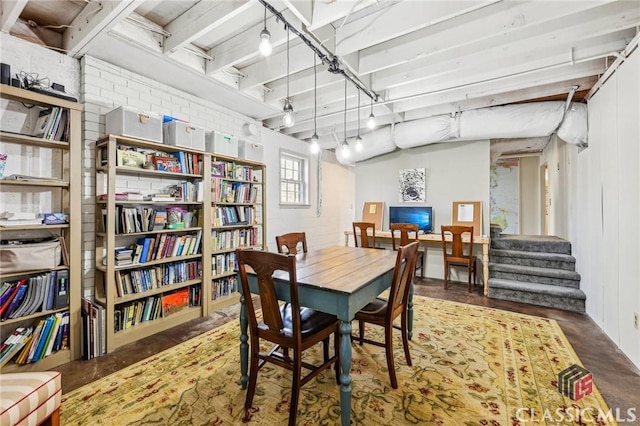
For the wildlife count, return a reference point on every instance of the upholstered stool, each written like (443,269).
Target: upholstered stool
(30,398)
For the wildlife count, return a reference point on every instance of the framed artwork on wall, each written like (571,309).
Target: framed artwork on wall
(412,185)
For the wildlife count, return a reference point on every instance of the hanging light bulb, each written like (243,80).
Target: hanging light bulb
(371,123)
(288,120)
(315,146)
(265,47)
(358,138)
(345,149)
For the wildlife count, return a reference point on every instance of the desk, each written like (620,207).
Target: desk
(437,239)
(339,281)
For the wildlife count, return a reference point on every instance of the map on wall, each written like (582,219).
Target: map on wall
(412,185)
(504,195)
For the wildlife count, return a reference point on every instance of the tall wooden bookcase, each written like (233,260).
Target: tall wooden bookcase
(123,324)
(61,193)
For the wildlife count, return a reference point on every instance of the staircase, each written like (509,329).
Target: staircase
(538,270)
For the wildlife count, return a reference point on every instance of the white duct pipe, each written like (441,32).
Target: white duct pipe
(528,120)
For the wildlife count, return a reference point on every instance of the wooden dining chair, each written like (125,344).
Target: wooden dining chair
(290,242)
(455,254)
(404,233)
(383,312)
(360,229)
(288,326)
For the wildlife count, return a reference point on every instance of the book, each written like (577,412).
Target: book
(14,343)
(175,302)
(15,301)
(62,290)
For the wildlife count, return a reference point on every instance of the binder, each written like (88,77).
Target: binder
(62,290)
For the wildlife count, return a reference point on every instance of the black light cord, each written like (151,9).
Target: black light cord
(334,65)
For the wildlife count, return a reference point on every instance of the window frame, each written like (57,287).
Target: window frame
(303,162)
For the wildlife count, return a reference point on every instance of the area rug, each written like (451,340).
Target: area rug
(471,366)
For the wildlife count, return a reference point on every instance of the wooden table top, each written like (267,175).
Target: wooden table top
(341,269)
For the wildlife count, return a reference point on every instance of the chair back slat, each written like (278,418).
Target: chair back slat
(291,241)
(457,246)
(360,229)
(408,233)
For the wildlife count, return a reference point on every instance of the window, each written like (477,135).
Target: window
(293,179)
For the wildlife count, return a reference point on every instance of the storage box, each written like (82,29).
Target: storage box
(179,133)
(21,257)
(127,121)
(251,151)
(219,143)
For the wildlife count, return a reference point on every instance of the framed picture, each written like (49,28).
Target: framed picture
(412,185)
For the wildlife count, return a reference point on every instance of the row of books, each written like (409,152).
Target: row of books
(229,170)
(224,191)
(189,162)
(175,162)
(52,124)
(94,319)
(224,287)
(137,219)
(141,280)
(28,295)
(223,263)
(31,344)
(232,215)
(234,238)
(154,307)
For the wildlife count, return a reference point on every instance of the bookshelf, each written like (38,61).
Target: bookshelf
(48,184)
(236,219)
(149,261)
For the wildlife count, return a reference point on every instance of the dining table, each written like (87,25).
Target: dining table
(336,280)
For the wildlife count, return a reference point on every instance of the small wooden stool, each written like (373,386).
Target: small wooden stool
(30,398)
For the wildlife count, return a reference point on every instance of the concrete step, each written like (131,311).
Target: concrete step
(557,277)
(552,296)
(532,243)
(535,259)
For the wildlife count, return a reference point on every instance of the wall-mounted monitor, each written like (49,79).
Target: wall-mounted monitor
(421,216)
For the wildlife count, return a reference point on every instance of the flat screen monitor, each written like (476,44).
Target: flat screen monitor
(421,216)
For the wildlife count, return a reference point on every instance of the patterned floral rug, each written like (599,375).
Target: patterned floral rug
(471,366)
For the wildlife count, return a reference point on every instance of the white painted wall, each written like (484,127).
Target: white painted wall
(337,186)
(456,171)
(606,192)
(530,195)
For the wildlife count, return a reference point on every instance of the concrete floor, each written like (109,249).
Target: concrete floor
(616,377)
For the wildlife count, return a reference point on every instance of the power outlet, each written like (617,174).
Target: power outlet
(636,320)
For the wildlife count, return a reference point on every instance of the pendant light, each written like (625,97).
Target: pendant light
(345,144)
(288,119)
(315,146)
(372,118)
(358,138)
(265,47)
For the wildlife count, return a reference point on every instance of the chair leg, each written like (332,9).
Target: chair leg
(470,272)
(361,331)
(325,349)
(336,349)
(253,373)
(446,275)
(388,346)
(405,336)
(53,419)
(295,388)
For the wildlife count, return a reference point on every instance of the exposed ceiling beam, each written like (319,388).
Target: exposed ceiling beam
(397,20)
(11,11)
(202,18)
(302,9)
(244,46)
(489,27)
(93,20)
